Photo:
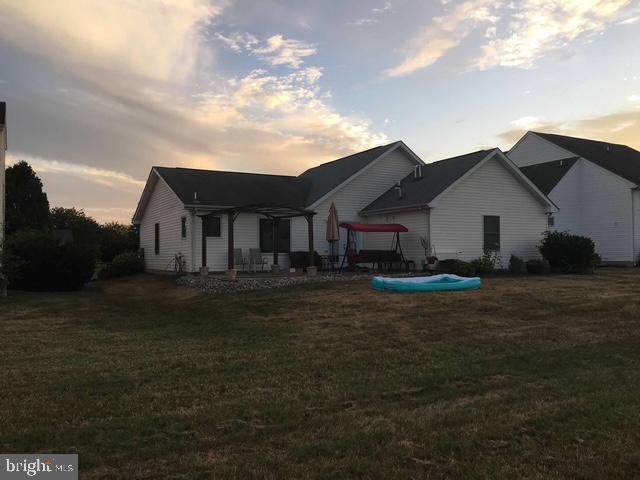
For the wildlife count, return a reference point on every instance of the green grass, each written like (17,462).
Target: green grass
(527,378)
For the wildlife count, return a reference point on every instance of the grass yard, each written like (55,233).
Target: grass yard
(527,378)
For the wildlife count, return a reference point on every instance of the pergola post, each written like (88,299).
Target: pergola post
(276,226)
(311,249)
(230,245)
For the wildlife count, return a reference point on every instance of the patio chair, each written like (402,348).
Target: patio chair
(239,259)
(256,258)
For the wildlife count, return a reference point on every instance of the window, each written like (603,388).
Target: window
(211,226)
(183,227)
(491,233)
(266,235)
(157,239)
(551,221)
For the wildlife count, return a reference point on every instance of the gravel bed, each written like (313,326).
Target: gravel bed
(220,284)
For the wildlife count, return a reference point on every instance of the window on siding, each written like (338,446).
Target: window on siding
(183,227)
(157,239)
(211,226)
(551,221)
(266,235)
(491,233)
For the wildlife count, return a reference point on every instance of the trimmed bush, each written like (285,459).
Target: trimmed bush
(517,265)
(457,267)
(127,263)
(569,253)
(538,267)
(33,261)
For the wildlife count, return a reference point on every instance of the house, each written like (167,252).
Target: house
(462,206)
(595,186)
(3,148)
(203,215)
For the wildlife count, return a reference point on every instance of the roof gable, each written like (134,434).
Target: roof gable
(436,178)
(328,176)
(622,160)
(547,175)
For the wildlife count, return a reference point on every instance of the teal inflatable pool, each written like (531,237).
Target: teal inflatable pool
(435,283)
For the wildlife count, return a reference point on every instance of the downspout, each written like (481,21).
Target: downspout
(633,225)
(193,241)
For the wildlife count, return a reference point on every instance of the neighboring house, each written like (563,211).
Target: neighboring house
(462,207)
(178,202)
(595,186)
(3,148)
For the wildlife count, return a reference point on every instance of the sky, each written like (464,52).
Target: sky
(99,92)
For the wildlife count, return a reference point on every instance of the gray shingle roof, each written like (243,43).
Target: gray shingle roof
(235,189)
(328,176)
(436,177)
(239,189)
(546,175)
(619,159)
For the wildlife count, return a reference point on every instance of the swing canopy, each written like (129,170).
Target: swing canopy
(375,227)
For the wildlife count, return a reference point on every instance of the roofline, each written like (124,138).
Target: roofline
(537,134)
(137,215)
(413,207)
(512,166)
(396,145)
(225,171)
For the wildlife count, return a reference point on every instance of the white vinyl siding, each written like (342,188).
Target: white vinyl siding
(532,150)
(2,186)
(164,208)
(245,236)
(457,220)
(352,198)
(416,222)
(636,224)
(598,204)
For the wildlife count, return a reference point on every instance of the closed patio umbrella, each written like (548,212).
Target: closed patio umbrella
(333,230)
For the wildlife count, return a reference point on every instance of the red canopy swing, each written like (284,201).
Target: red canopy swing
(351,253)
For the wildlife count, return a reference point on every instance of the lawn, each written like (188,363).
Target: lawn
(527,378)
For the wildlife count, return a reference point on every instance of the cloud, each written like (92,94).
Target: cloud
(633,98)
(282,51)
(517,33)
(100,176)
(527,123)
(540,26)
(123,35)
(620,127)
(444,33)
(237,41)
(377,11)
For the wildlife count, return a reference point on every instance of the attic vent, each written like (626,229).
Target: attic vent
(608,148)
(417,172)
(398,189)
(561,162)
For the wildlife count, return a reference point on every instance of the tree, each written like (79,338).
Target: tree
(117,238)
(85,230)
(26,204)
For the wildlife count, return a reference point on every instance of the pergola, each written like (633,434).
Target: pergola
(274,212)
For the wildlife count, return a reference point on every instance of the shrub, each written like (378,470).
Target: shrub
(569,253)
(538,267)
(127,263)
(484,264)
(300,259)
(33,261)
(517,265)
(457,267)
(116,238)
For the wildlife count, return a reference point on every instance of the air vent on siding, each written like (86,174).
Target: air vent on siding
(398,189)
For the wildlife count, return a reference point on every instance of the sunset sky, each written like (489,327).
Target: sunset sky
(99,91)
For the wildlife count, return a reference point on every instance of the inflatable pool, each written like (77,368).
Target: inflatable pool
(435,283)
